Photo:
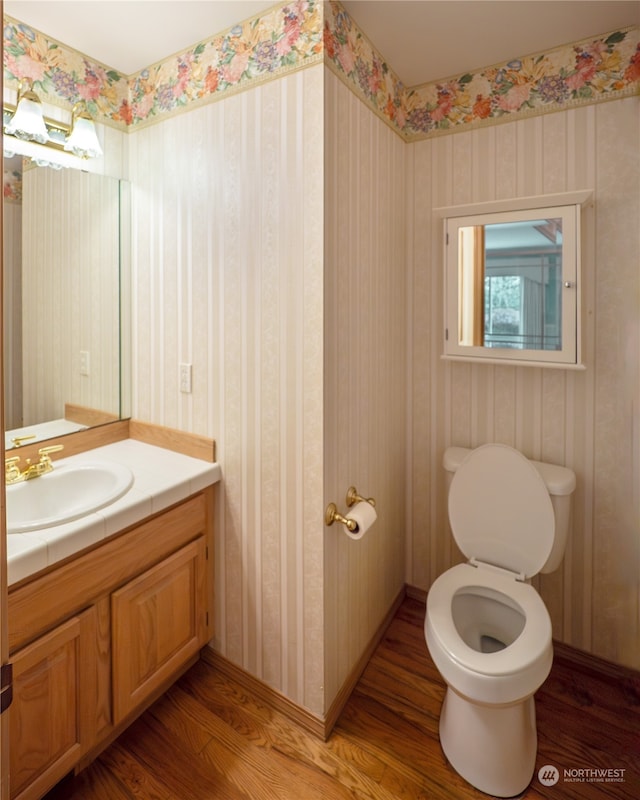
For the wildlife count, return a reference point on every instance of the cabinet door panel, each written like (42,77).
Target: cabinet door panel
(49,728)
(158,623)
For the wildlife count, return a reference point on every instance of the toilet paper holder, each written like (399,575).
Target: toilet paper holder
(332,514)
(353,497)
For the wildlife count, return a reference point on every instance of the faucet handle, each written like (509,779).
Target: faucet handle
(11,469)
(52,448)
(44,452)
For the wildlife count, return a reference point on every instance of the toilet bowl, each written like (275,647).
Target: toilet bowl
(487,629)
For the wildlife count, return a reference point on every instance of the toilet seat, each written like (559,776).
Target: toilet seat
(530,646)
(500,510)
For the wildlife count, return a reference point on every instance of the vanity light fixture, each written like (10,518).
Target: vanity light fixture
(26,122)
(82,139)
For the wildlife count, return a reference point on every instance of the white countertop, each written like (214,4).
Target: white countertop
(161,479)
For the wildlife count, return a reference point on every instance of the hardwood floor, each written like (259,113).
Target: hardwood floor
(208,738)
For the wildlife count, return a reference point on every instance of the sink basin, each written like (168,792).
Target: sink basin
(67,493)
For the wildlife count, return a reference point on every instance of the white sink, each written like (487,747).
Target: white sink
(68,493)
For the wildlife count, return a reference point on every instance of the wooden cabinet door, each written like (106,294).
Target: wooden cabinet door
(50,717)
(158,622)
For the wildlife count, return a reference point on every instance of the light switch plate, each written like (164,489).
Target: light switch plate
(185,378)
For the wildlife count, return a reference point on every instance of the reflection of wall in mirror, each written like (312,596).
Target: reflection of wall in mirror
(70,293)
(12,291)
(471,278)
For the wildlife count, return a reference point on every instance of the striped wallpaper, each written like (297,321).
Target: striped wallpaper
(253,262)
(365,370)
(228,276)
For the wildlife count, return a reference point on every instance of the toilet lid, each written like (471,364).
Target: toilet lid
(500,510)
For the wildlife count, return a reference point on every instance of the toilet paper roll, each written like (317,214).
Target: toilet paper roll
(364,514)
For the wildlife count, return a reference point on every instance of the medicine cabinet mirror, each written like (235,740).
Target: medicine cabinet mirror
(512,280)
(66,263)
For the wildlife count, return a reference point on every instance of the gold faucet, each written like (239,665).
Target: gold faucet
(13,473)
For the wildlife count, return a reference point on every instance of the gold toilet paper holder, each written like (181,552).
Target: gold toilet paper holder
(332,514)
(353,497)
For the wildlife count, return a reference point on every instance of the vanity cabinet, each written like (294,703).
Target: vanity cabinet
(95,640)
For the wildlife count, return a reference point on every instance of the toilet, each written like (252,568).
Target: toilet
(487,629)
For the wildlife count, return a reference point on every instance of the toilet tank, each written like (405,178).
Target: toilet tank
(560,483)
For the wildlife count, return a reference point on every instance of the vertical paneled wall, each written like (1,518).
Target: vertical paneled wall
(587,420)
(365,370)
(228,276)
(291,308)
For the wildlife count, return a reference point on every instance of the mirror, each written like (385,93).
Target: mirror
(66,262)
(512,283)
(509,276)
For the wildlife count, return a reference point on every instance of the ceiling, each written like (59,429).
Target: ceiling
(422,40)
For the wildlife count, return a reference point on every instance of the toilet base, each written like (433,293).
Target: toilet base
(492,747)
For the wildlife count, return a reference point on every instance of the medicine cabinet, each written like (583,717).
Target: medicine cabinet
(512,280)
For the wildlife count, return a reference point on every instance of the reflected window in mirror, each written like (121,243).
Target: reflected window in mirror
(512,281)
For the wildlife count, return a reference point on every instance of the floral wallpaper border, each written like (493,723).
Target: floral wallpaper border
(286,38)
(583,73)
(586,72)
(297,34)
(61,76)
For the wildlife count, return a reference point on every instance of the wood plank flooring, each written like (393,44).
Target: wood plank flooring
(207,738)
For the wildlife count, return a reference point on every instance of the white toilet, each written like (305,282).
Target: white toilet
(487,629)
